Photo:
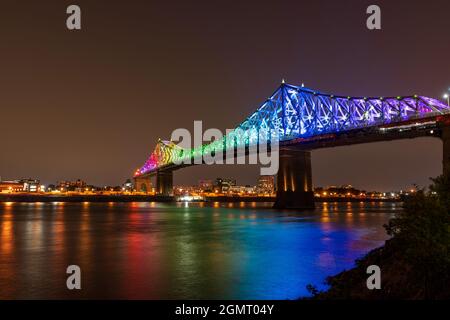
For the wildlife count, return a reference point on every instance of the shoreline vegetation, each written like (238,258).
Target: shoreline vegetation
(414,262)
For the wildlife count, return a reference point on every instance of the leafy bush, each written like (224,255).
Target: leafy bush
(422,232)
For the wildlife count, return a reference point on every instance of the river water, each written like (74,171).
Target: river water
(183,250)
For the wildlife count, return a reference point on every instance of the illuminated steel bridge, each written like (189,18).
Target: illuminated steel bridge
(304,119)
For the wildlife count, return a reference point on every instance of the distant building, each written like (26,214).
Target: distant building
(205,185)
(266,185)
(127,186)
(345,191)
(223,185)
(31,185)
(10,186)
(348,191)
(22,185)
(186,190)
(75,186)
(241,190)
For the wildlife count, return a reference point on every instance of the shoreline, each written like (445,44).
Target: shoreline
(30,198)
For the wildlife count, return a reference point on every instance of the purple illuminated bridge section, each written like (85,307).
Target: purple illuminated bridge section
(293,112)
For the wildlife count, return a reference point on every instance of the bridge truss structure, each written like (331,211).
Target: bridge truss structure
(294,112)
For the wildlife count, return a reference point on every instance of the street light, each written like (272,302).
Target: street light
(447,96)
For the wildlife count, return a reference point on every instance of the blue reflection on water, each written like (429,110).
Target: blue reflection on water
(190,251)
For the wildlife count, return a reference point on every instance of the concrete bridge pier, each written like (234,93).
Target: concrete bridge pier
(164,183)
(294,180)
(446,149)
(143,184)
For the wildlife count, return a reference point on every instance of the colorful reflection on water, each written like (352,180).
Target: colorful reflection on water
(181,251)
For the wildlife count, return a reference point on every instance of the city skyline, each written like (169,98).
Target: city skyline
(80,186)
(152,72)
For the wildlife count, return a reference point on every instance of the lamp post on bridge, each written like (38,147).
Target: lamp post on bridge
(447,96)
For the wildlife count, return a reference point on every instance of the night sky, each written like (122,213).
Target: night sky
(91,104)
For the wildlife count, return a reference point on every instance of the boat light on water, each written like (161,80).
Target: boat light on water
(188,198)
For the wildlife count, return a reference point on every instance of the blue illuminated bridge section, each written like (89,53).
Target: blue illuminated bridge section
(295,113)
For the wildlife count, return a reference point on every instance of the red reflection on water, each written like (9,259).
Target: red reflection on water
(142,273)
(8,257)
(7,234)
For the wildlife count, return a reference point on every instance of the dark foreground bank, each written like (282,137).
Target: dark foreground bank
(414,263)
